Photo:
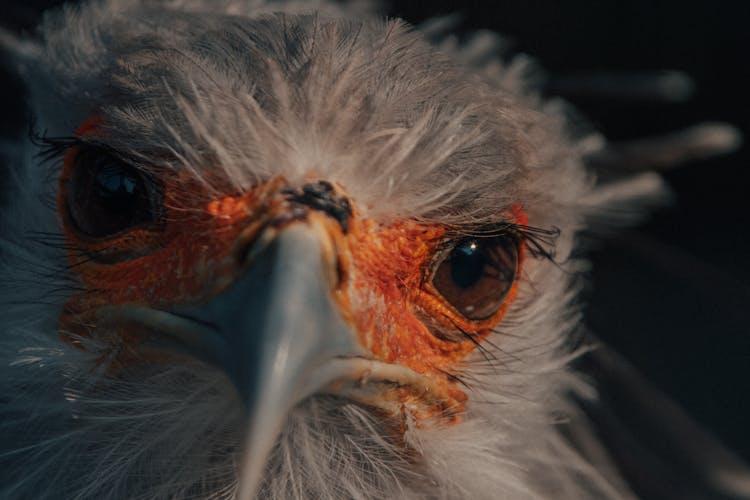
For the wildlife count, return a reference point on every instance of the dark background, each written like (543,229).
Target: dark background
(673,294)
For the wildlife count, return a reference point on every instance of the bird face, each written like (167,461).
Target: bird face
(173,266)
(303,257)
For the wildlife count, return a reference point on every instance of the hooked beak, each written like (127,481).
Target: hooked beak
(276,331)
(279,330)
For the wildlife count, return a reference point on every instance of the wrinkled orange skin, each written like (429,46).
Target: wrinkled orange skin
(385,271)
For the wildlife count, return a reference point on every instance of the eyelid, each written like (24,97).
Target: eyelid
(87,137)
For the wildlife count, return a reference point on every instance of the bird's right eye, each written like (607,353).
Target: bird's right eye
(106,196)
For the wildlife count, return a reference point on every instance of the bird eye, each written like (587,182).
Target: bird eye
(477,275)
(107,196)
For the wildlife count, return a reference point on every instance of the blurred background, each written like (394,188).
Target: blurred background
(673,294)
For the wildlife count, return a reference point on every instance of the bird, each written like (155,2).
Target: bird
(280,249)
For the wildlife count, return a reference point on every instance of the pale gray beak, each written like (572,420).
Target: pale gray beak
(276,331)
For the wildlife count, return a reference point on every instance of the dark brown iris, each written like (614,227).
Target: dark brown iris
(477,275)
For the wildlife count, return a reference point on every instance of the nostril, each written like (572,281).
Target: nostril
(322,196)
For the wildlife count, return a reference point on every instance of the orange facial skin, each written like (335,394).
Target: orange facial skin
(385,269)
(390,291)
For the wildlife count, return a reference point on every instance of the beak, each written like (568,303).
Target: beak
(277,332)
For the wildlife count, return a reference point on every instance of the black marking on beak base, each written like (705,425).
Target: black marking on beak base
(322,196)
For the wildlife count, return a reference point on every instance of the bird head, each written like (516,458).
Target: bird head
(292,254)
(287,287)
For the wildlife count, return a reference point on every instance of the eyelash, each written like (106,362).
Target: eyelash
(52,148)
(539,242)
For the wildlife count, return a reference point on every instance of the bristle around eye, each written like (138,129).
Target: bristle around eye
(539,242)
(52,148)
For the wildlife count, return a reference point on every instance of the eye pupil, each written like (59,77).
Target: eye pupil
(467,264)
(114,181)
